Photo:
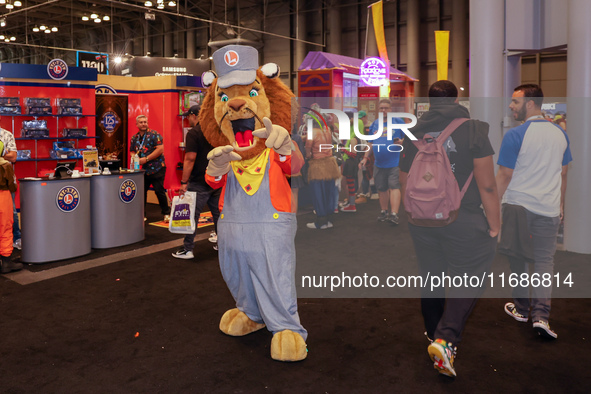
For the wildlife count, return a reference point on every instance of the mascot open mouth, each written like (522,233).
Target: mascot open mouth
(242,129)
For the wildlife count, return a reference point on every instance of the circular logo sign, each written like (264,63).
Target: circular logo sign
(231,58)
(374,71)
(68,199)
(127,191)
(104,89)
(57,69)
(109,122)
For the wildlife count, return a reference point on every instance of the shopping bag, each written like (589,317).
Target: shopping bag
(182,218)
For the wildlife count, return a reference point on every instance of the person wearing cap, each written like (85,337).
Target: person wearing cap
(193,179)
(147,145)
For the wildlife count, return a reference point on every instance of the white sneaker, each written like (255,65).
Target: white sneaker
(213,237)
(17,244)
(183,254)
(215,247)
(166,218)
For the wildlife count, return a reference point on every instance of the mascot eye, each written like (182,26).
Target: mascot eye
(254,93)
(224,97)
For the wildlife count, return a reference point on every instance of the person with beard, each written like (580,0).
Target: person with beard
(467,245)
(533,165)
(147,145)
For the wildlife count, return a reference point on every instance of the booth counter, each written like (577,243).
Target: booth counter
(55,218)
(117,209)
(62,218)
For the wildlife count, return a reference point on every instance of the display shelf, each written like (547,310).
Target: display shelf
(57,138)
(48,159)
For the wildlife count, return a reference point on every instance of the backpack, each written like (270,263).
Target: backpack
(433,197)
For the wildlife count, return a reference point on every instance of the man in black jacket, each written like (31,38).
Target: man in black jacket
(193,179)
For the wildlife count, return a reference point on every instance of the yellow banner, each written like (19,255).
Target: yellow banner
(442,53)
(377,14)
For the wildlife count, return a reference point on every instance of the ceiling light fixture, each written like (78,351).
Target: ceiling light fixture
(2,36)
(106,18)
(17,3)
(36,29)
(42,27)
(93,16)
(47,31)
(9,6)
(97,20)
(2,22)
(148,4)
(172,3)
(54,29)
(13,38)
(85,17)
(2,1)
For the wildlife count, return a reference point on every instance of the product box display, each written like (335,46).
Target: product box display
(38,110)
(10,106)
(67,132)
(24,154)
(67,102)
(10,110)
(34,129)
(37,102)
(69,110)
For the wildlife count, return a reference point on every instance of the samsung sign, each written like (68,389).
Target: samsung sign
(158,66)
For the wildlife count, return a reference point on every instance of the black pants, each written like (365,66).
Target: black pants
(463,247)
(157,181)
(204,195)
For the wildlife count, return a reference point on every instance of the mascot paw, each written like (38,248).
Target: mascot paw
(219,160)
(236,323)
(277,137)
(288,346)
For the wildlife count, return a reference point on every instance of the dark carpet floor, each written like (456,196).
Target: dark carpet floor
(150,325)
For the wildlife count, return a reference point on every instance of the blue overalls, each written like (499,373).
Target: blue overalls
(257,256)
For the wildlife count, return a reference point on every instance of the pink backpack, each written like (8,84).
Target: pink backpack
(433,197)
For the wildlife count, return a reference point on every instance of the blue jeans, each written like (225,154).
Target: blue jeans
(204,195)
(16,227)
(544,231)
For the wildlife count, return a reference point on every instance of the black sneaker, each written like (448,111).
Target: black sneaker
(8,265)
(543,329)
(183,254)
(394,219)
(383,216)
(511,310)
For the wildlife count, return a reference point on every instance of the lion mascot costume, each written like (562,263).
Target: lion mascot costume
(245,116)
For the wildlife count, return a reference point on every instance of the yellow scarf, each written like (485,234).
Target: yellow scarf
(250,173)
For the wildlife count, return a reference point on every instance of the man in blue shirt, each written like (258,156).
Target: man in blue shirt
(533,163)
(387,155)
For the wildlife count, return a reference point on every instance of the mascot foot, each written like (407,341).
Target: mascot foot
(236,323)
(288,346)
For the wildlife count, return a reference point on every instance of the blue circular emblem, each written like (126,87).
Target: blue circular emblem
(68,199)
(104,89)
(57,69)
(109,122)
(127,191)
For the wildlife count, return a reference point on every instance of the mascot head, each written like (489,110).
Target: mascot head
(239,96)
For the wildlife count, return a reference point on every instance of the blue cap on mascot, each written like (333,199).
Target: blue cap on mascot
(236,65)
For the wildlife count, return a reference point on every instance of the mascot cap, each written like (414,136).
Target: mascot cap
(236,65)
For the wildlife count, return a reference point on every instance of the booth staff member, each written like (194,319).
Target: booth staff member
(147,145)
(7,185)
(193,179)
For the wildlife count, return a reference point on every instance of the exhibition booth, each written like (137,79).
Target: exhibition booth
(73,121)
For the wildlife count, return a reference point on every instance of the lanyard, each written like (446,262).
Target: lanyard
(143,140)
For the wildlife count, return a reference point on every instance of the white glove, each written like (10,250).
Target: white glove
(277,137)
(219,160)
